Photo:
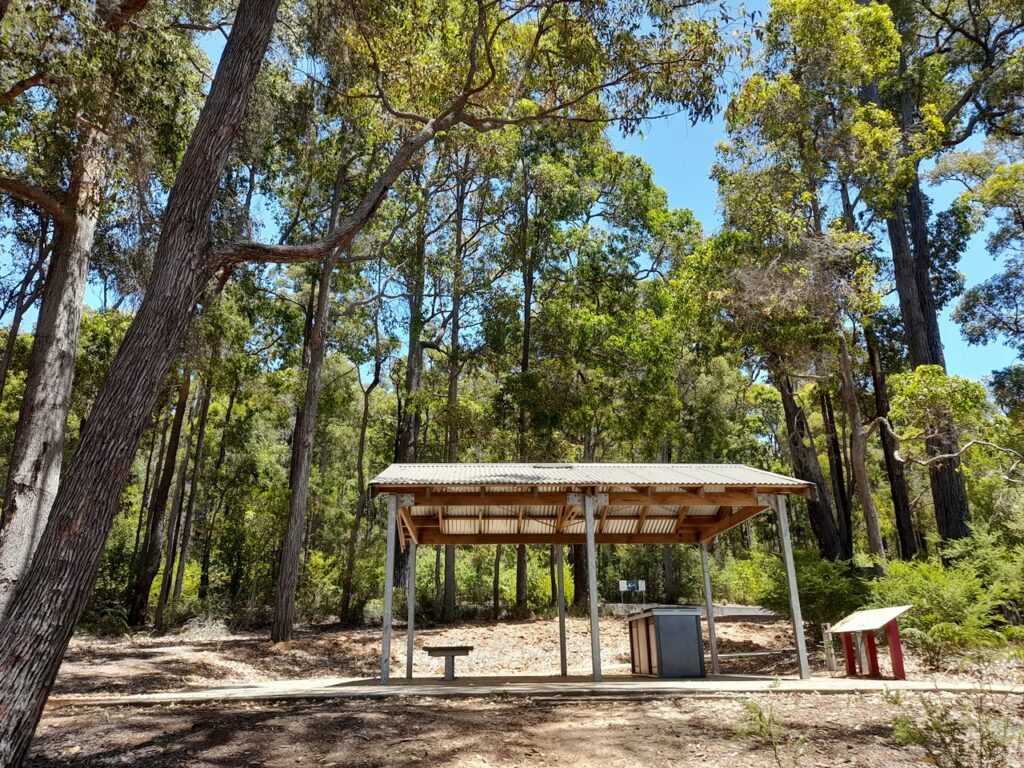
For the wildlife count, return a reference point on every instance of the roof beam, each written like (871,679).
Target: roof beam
(642,519)
(708,532)
(422,520)
(683,537)
(681,517)
(726,498)
(401,528)
(406,516)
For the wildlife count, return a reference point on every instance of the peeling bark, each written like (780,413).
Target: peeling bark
(36,459)
(807,467)
(858,449)
(55,589)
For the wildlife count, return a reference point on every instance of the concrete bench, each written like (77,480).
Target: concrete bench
(449,652)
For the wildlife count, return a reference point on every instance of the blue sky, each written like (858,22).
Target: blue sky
(681,156)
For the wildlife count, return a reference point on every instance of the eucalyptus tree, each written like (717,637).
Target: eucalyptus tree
(958,71)
(92,92)
(993,192)
(620,62)
(474,165)
(805,107)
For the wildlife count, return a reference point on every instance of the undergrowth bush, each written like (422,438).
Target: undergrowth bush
(972,729)
(828,589)
(954,612)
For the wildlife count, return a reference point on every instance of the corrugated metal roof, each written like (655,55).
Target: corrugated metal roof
(562,476)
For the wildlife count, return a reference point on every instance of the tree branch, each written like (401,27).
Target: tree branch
(342,235)
(26,83)
(53,205)
(116,17)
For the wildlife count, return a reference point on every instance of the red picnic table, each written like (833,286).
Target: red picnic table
(859,628)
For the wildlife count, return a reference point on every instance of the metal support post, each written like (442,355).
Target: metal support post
(410,599)
(712,639)
(560,566)
(794,593)
(389,589)
(595,636)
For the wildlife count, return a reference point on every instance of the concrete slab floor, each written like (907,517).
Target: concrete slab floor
(620,686)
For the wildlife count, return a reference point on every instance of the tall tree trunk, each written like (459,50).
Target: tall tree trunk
(410,419)
(669,567)
(302,459)
(411,415)
(522,581)
(348,576)
(34,471)
(448,606)
(807,467)
(151,469)
(893,467)
(551,576)
(912,272)
(174,524)
(56,587)
(454,366)
(580,585)
(859,449)
(148,564)
(835,470)
(438,584)
(524,368)
(210,519)
(197,468)
(919,316)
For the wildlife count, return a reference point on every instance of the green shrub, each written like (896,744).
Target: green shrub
(970,730)
(828,589)
(996,556)
(764,726)
(109,621)
(953,610)
(742,580)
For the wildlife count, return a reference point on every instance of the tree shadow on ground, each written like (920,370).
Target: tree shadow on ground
(418,732)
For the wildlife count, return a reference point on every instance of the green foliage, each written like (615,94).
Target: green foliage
(990,311)
(828,589)
(762,725)
(954,610)
(1008,390)
(928,402)
(974,729)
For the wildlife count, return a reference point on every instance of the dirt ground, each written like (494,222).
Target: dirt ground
(814,730)
(817,731)
(210,656)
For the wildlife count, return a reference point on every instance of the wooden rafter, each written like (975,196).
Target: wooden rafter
(401,528)
(641,519)
(681,517)
(407,520)
(429,536)
(728,498)
(738,516)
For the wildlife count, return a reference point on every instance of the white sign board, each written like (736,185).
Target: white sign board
(632,586)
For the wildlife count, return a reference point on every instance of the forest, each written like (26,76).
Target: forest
(255,251)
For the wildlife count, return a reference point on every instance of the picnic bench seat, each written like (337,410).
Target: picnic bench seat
(449,652)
